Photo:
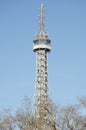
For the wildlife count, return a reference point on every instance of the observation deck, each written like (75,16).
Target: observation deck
(42,42)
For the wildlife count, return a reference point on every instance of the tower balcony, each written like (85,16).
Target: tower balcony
(42,42)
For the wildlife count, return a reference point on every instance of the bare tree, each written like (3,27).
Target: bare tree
(24,116)
(68,118)
(58,118)
(83,102)
(7,120)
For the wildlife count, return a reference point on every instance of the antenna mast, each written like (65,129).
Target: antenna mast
(42,21)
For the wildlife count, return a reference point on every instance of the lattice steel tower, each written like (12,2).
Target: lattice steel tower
(41,47)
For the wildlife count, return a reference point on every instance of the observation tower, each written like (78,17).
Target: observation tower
(41,47)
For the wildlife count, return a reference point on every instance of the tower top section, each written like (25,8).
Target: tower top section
(42,41)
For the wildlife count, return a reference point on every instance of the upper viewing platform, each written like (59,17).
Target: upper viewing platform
(42,41)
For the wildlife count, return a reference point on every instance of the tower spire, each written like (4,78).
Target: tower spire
(42,21)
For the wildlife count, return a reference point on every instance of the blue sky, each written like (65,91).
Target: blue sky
(66,26)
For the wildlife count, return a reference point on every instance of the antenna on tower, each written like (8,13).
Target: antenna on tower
(42,21)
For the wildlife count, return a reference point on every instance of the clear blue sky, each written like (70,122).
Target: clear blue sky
(66,26)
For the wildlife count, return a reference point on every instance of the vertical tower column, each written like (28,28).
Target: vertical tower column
(41,82)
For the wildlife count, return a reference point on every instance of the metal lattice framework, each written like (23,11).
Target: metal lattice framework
(42,47)
(41,82)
